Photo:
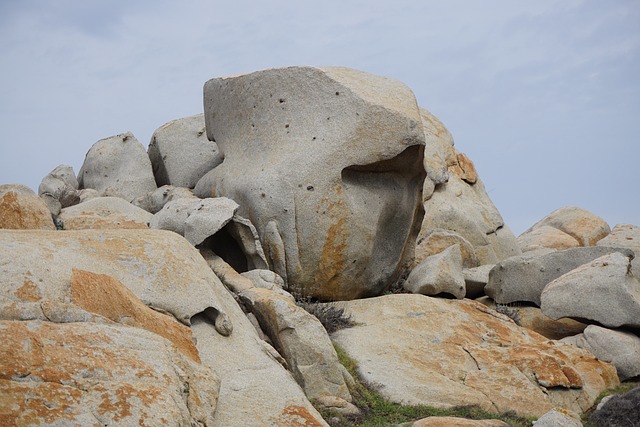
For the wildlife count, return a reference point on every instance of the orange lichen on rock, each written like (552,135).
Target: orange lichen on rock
(297,416)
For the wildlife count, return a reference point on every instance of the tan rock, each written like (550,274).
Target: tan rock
(438,274)
(103,213)
(464,169)
(437,240)
(446,353)
(22,209)
(579,223)
(104,295)
(625,236)
(97,374)
(546,236)
(457,422)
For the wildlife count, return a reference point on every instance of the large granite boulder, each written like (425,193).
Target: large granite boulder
(455,198)
(445,353)
(625,236)
(180,152)
(584,226)
(620,348)
(327,163)
(602,291)
(118,166)
(522,278)
(22,209)
(104,213)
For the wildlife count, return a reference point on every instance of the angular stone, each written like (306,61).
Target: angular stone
(153,202)
(625,236)
(446,353)
(103,213)
(22,209)
(265,279)
(558,418)
(59,189)
(618,347)
(335,161)
(579,223)
(603,291)
(475,279)
(439,153)
(99,374)
(546,236)
(180,152)
(118,166)
(438,240)
(438,274)
(523,278)
(302,341)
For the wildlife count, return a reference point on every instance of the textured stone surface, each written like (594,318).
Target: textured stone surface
(603,291)
(154,201)
(301,340)
(584,226)
(59,189)
(99,374)
(620,348)
(523,278)
(449,352)
(336,172)
(22,209)
(104,213)
(438,240)
(546,236)
(625,236)
(457,422)
(180,152)
(558,418)
(118,166)
(438,274)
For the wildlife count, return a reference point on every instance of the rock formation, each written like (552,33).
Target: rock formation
(171,286)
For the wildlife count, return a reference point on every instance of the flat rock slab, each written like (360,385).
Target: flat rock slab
(104,213)
(445,353)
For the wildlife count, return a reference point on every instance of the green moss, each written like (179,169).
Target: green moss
(378,411)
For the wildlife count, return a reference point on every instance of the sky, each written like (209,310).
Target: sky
(543,96)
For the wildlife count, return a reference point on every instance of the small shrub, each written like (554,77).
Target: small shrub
(333,318)
(622,410)
(509,312)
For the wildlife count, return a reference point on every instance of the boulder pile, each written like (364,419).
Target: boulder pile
(172,285)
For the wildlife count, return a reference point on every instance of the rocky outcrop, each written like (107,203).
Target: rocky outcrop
(578,223)
(603,291)
(524,277)
(438,274)
(446,353)
(118,166)
(180,152)
(22,209)
(104,213)
(334,188)
(620,348)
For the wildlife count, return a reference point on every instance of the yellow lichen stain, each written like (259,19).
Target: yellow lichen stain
(297,416)
(28,291)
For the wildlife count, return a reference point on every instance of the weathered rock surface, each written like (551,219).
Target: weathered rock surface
(620,348)
(449,352)
(118,166)
(153,202)
(266,279)
(302,341)
(437,241)
(475,279)
(336,160)
(625,236)
(523,278)
(99,374)
(59,189)
(558,418)
(534,319)
(22,209)
(603,291)
(546,236)
(180,152)
(104,213)
(457,422)
(438,274)
(584,226)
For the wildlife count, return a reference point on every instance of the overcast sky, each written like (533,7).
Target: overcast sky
(543,96)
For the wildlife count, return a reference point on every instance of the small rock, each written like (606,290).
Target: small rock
(438,274)
(22,209)
(558,417)
(625,236)
(457,422)
(579,223)
(153,202)
(59,189)
(475,279)
(546,236)
(438,240)
(102,213)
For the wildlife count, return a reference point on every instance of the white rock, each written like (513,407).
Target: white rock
(558,418)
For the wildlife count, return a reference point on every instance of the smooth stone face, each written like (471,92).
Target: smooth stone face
(546,236)
(118,166)
(625,236)
(584,226)
(438,240)
(104,213)
(603,291)
(59,189)
(327,164)
(558,418)
(620,348)
(438,274)
(522,278)
(22,209)
(446,353)
(181,153)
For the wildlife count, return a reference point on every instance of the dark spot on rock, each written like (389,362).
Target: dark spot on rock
(310,187)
